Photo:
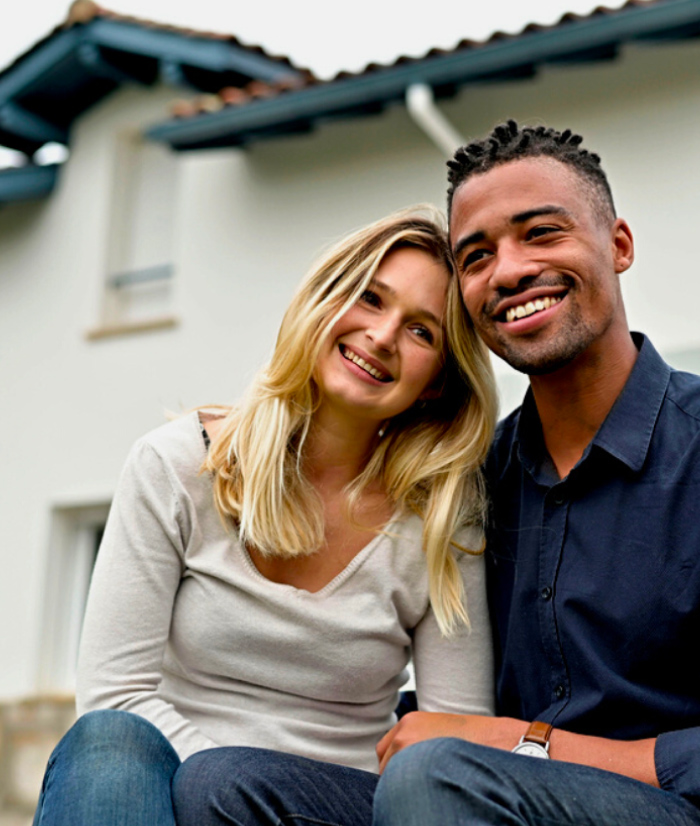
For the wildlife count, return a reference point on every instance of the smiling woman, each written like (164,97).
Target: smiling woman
(268,570)
(385,352)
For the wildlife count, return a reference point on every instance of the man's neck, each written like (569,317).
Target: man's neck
(574,401)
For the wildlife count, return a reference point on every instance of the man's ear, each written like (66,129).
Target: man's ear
(623,245)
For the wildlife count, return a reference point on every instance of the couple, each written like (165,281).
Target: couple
(378,406)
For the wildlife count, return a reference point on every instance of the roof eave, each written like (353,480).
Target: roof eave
(597,34)
(27,183)
(214,55)
(83,53)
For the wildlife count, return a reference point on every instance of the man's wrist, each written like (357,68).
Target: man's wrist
(535,741)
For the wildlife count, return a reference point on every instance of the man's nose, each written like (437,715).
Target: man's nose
(513,263)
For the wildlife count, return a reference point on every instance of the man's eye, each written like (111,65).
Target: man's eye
(474,257)
(539,232)
(370,297)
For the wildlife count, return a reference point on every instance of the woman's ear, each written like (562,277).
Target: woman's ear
(435,389)
(430,394)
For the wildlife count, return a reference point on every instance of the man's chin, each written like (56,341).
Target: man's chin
(538,364)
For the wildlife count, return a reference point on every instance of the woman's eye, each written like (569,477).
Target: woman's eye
(424,333)
(370,297)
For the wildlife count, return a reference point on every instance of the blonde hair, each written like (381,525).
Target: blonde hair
(429,457)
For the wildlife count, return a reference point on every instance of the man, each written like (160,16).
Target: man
(594,538)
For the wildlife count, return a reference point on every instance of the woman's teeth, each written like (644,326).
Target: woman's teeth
(368,368)
(532,307)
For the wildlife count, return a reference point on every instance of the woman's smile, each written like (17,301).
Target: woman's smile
(367,365)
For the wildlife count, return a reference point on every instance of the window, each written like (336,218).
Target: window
(138,292)
(76,533)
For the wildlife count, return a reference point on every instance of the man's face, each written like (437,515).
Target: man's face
(538,263)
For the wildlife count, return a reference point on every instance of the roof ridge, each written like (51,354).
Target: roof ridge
(83,11)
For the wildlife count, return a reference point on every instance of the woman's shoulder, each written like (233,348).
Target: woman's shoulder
(178,444)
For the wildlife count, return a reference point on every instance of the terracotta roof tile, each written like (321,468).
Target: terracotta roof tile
(248,96)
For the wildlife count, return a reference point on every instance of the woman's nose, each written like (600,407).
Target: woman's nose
(383,333)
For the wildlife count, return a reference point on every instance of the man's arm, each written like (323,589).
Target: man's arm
(632,758)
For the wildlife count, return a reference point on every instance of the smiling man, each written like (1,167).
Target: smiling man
(594,582)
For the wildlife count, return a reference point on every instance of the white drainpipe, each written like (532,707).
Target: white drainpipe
(420,103)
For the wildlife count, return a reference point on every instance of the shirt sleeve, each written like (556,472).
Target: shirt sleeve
(455,674)
(677,758)
(138,570)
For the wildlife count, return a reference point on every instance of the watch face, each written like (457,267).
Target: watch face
(531,750)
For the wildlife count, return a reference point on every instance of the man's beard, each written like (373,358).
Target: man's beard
(541,359)
(540,365)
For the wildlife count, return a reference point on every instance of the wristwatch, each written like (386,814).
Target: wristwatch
(535,741)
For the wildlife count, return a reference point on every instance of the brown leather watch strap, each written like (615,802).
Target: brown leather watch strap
(538,732)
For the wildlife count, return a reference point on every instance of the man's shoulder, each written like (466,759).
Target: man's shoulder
(684,393)
(502,445)
(507,427)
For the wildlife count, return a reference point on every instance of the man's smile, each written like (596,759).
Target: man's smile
(531,307)
(529,302)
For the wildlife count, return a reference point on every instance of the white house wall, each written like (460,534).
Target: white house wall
(248,223)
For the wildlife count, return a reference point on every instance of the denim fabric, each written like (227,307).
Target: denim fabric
(257,787)
(116,769)
(111,769)
(450,782)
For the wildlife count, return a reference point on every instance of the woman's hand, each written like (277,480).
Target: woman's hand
(497,732)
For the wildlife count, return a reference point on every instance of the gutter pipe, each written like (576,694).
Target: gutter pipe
(420,103)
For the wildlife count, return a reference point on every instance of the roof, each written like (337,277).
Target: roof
(94,52)
(27,183)
(257,111)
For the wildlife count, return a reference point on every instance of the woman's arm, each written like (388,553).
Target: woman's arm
(455,674)
(127,621)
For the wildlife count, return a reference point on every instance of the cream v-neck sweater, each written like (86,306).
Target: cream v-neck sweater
(182,629)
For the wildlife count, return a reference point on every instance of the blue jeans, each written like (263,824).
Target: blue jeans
(450,782)
(116,769)
(111,769)
(257,787)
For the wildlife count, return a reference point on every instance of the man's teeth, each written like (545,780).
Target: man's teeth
(360,362)
(536,306)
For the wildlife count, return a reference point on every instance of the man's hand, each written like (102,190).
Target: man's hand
(632,758)
(498,732)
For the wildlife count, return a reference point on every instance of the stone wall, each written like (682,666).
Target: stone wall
(29,730)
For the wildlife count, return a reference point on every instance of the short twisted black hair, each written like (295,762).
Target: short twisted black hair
(510,142)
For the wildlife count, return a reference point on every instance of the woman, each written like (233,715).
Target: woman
(268,592)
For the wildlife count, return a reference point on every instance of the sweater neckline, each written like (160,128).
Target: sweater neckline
(337,581)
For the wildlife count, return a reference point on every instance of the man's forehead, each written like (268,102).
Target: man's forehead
(515,188)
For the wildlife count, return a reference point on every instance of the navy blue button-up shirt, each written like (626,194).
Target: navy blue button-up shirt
(594,580)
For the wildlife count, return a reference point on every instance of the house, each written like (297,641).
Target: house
(149,272)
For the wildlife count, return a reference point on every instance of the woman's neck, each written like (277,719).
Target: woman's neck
(338,448)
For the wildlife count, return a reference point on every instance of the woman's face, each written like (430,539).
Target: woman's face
(385,352)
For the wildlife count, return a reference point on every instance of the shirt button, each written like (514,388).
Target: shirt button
(559,691)
(559,499)
(546,593)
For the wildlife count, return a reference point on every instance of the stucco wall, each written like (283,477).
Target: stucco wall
(247,224)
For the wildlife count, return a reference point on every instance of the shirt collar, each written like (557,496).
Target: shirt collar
(627,430)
